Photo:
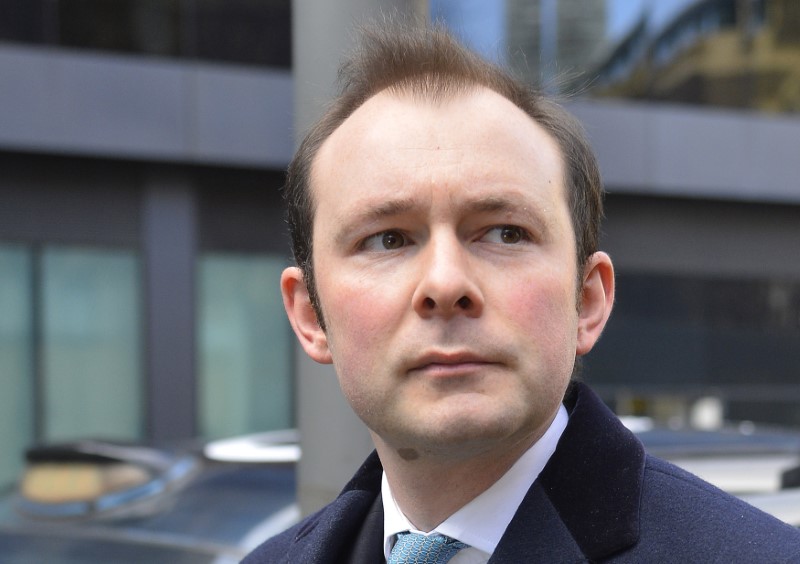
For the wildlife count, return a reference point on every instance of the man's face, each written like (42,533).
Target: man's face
(446,270)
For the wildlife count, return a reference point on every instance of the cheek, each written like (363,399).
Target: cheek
(544,309)
(358,317)
(360,328)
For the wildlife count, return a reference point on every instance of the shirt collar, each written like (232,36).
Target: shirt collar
(501,500)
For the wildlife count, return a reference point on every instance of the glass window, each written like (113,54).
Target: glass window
(22,20)
(91,344)
(731,53)
(244,347)
(16,360)
(256,32)
(246,31)
(138,26)
(738,339)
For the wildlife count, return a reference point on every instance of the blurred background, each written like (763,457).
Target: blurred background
(142,148)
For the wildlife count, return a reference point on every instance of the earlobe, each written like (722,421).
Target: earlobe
(597,299)
(302,316)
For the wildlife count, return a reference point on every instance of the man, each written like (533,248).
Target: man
(445,222)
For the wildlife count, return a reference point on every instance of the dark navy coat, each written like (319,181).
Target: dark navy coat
(600,498)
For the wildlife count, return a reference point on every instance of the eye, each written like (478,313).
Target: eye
(392,240)
(510,235)
(506,234)
(387,240)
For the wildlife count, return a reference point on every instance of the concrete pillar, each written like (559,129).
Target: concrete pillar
(334,440)
(170,248)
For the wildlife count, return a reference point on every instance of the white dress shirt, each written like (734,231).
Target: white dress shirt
(500,502)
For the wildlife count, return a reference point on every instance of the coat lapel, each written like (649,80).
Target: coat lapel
(536,534)
(368,544)
(585,503)
(339,531)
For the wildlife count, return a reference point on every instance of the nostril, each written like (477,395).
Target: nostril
(464,302)
(429,303)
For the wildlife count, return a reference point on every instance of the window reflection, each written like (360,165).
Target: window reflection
(76,311)
(91,368)
(244,374)
(731,53)
(16,359)
(715,52)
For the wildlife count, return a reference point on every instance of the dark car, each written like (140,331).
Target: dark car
(98,501)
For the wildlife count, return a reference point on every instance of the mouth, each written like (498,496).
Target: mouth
(440,364)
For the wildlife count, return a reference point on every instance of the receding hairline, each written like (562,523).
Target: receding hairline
(446,93)
(429,60)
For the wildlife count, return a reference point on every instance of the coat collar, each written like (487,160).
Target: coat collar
(340,531)
(585,503)
(595,477)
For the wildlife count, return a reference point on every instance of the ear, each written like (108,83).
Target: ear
(597,299)
(302,316)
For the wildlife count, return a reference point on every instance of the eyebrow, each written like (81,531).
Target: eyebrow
(483,204)
(401,206)
(493,204)
(376,213)
(389,209)
(515,206)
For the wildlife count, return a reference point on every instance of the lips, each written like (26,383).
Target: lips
(449,364)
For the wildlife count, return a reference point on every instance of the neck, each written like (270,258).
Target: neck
(430,488)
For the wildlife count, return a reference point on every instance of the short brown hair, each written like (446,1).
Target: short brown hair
(428,62)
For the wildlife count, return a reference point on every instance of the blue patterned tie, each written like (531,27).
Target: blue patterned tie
(413,548)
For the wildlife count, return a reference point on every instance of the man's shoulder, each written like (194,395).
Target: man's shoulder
(618,500)
(665,483)
(679,505)
(327,531)
(276,549)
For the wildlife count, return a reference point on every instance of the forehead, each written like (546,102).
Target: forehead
(402,138)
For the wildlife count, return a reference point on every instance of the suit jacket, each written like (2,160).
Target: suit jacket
(600,498)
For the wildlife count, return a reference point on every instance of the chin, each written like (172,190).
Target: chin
(464,435)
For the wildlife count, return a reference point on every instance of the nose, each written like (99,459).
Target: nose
(448,283)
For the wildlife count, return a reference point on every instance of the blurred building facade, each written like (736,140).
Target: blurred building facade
(142,145)
(713,308)
(735,54)
(142,233)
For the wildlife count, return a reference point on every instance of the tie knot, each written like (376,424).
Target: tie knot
(414,548)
